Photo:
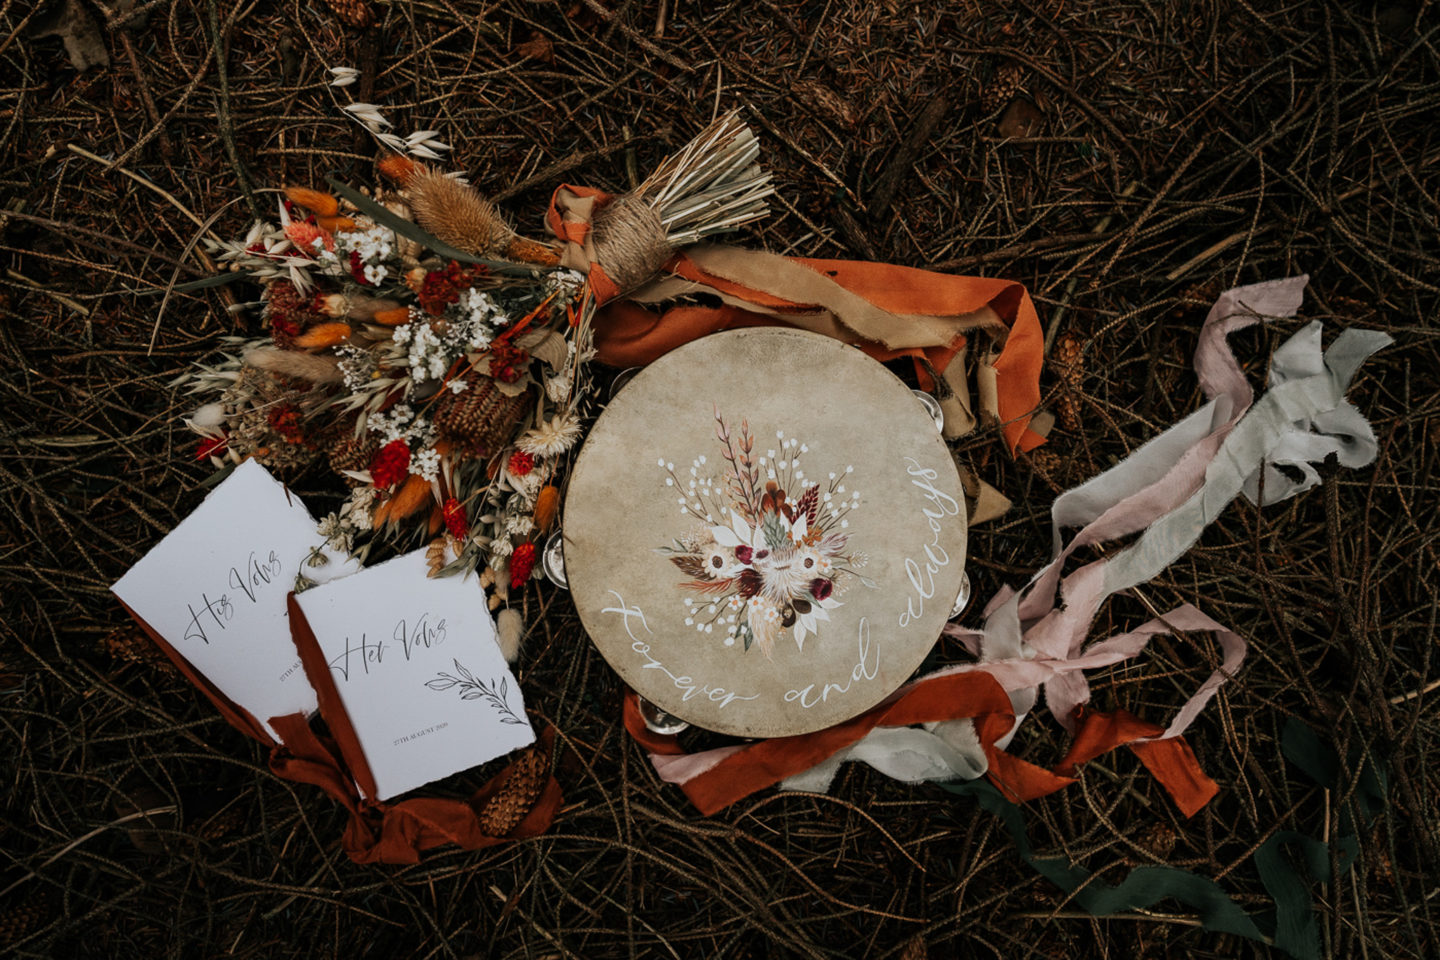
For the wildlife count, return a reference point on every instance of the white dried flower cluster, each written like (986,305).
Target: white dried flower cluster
(428,356)
(354,517)
(338,533)
(357,365)
(426,464)
(400,423)
(373,246)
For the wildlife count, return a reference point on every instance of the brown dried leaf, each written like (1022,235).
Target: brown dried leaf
(1021,120)
(538,47)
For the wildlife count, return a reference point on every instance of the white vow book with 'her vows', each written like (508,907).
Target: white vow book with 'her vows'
(409,675)
(215,588)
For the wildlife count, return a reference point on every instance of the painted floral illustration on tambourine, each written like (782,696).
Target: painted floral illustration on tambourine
(769,549)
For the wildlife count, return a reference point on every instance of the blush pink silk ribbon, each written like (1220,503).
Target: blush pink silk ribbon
(1167,492)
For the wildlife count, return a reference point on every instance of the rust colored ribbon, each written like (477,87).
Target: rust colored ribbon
(379,832)
(730,774)
(888,311)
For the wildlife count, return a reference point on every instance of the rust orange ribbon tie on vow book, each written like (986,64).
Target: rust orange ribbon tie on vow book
(520,801)
(886,310)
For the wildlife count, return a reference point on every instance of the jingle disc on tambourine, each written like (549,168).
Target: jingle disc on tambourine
(764,532)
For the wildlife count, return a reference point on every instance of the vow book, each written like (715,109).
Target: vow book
(409,675)
(214,589)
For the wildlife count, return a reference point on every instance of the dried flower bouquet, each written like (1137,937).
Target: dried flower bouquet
(430,357)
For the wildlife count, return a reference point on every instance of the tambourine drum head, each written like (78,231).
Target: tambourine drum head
(764,532)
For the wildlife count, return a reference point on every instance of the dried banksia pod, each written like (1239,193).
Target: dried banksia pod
(1008,79)
(353,13)
(524,781)
(480,420)
(1068,363)
(349,452)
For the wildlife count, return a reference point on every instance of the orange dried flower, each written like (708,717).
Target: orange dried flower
(400,168)
(321,204)
(547,505)
(323,335)
(334,224)
(392,318)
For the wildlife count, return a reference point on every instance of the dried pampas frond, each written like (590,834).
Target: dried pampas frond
(509,630)
(315,368)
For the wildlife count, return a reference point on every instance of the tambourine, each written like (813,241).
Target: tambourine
(764,532)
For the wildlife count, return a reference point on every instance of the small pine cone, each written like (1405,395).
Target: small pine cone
(480,420)
(227,821)
(19,920)
(354,13)
(349,452)
(130,644)
(915,949)
(1069,365)
(1048,464)
(1009,77)
(524,781)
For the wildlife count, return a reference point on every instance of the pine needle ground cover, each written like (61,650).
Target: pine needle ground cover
(1125,162)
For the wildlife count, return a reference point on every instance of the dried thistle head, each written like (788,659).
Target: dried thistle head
(457,214)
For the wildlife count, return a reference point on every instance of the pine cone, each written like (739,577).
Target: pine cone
(525,779)
(480,420)
(1068,364)
(130,644)
(19,920)
(226,821)
(349,452)
(1003,86)
(354,13)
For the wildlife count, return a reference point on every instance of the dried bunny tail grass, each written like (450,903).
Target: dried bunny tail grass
(315,368)
(457,214)
(509,629)
(323,335)
(318,203)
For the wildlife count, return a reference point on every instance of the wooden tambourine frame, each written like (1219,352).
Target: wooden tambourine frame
(764,532)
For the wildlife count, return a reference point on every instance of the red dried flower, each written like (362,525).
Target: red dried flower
(522,561)
(357,268)
(507,363)
(285,420)
(821,588)
(391,464)
(441,288)
(455,519)
(211,446)
(520,463)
